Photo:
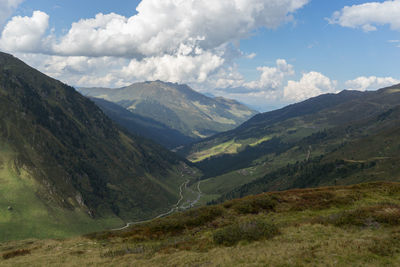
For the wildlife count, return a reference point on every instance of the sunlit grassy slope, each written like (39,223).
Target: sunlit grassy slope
(331,226)
(23,214)
(230,147)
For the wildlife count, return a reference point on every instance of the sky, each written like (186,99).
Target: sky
(264,53)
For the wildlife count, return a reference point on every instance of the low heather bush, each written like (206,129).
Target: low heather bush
(252,205)
(250,231)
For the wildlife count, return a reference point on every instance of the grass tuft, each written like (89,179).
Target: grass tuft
(374,216)
(252,230)
(385,247)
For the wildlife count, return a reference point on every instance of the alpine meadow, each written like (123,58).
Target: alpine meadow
(200,133)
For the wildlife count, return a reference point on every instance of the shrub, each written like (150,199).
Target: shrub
(180,221)
(250,231)
(164,227)
(320,200)
(252,205)
(127,250)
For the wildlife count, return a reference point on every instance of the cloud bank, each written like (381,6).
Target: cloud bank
(166,27)
(369,83)
(184,41)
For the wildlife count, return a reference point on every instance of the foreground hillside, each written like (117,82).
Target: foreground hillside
(66,168)
(331,226)
(177,106)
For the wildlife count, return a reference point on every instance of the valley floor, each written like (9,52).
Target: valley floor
(188,198)
(332,226)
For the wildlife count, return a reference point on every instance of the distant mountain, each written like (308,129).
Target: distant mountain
(177,106)
(303,145)
(143,126)
(66,168)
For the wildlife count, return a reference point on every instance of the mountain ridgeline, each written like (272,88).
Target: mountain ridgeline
(143,126)
(343,138)
(63,163)
(177,107)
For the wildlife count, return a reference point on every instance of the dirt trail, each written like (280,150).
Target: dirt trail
(175,208)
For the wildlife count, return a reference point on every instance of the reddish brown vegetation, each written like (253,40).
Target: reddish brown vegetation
(15,253)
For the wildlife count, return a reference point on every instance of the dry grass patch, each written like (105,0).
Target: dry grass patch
(374,216)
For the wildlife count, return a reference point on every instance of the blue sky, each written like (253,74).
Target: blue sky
(314,44)
(281,52)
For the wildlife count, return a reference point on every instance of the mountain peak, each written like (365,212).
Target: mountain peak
(177,106)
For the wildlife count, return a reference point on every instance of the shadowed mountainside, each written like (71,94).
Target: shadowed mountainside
(143,126)
(61,157)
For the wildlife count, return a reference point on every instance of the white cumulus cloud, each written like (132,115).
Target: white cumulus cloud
(368,16)
(372,82)
(174,68)
(25,33)
(185,41)
(161,27)
(165,27)
(271,77)
(310,85)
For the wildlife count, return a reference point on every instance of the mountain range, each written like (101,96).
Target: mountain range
(321,141)
(177,106)
(67,166)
